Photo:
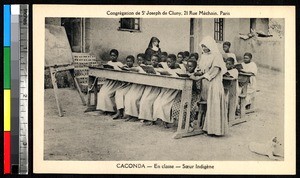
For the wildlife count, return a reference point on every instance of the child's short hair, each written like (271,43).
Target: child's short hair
(114,51)
(164,53)
(157,56)
(230,59)
(248,54)
(130,57)
(172,56)
(227,43)
(142,55)
(181,53)
(186,54)
(196,55)
(194,62)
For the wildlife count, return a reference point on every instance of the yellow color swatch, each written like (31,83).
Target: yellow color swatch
(7,110)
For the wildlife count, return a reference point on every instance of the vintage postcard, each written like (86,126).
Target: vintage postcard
(164,89)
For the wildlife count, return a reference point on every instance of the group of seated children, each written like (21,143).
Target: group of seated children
(133,102)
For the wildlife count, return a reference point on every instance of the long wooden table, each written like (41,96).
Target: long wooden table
(183,84)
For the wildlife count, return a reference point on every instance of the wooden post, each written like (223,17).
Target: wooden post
(243,100)
(77,86)
(232,92)
(55,89)
(91,86)
(96,92)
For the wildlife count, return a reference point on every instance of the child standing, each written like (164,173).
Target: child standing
(191,66)
(105,100)
(164,101)
(226,47)
(232,73)
(250,67)
(120,93)
(149,96)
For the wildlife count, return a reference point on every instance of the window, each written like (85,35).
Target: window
(219,29)
(130,24)
(76,33)
(259,25)
(192,22)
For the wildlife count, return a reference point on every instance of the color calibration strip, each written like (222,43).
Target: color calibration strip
(15,89)
(7,97)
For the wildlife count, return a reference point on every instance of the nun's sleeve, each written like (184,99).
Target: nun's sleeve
(217,66)
(212,73)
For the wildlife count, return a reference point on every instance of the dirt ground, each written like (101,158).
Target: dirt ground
(81,136)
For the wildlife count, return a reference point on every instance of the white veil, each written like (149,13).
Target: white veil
(210,43)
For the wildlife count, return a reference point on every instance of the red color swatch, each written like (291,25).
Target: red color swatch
(7,153)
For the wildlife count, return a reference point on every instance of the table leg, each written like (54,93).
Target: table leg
(186,98)
(232,101)
(243,101)
(91,85)
(77,86)
(55,89)
(95,91)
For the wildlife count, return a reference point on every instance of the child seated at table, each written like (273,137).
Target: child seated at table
(194,56)
(107,92)
(163,57)
(164,101)
(180,60)
(249,67)
(186,57)
(163,60)
(149,96)
(120,93)
(140,59)
(180,57)
(134,94)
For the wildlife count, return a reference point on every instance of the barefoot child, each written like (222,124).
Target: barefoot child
(250,67)
(120,93)
(134,94)
(163,103)
(149,96)
(107,92)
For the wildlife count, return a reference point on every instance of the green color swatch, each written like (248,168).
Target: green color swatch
(6,68)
